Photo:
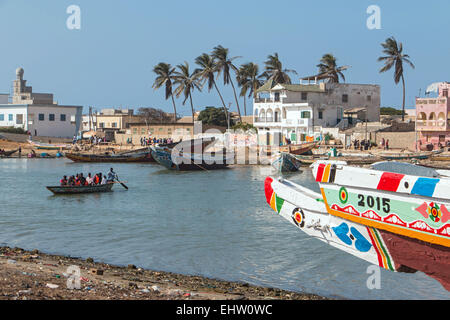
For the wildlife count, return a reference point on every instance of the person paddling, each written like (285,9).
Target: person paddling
(112,175)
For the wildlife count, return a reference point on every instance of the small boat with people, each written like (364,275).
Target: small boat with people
(78,184)
(392,214)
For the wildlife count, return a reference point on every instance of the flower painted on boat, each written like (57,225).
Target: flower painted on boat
(434,212)
(343,195)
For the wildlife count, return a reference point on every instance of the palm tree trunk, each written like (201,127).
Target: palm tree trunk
(245,105)
(404,93)
(223,102)
(192,108)
(175,109)
(237,103)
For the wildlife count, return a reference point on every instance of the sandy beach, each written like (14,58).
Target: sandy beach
(33,275)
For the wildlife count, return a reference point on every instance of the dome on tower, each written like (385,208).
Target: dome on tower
(19,72)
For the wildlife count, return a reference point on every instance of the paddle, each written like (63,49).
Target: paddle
(123,185)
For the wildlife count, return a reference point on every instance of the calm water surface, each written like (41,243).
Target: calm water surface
(215,224)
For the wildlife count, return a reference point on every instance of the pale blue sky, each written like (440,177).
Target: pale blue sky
(109,61)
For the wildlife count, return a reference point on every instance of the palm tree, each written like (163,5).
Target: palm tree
(187,83)
(207,72)
(395,56)
(248,80)
(165,74)
(274,70)
(225,64)
(328,68)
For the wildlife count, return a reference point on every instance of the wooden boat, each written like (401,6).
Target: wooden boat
(409,210)
(81,189)
(355,160)
(8,153)
(186,161)
(298,149)
(285,162)
(47,146)
(130,156)
(406,156)
(306,210)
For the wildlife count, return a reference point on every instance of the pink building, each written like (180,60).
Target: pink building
(433,118)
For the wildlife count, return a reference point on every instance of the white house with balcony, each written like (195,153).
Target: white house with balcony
(297,111)
(37,112)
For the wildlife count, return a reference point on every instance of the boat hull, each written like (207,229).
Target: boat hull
(142,157)
(286,163)
(81,189)
(298,149)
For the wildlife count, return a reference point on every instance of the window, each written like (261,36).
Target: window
(41,117)
(114,124)
(134,130)
(51,117)
(62,117)
(143,131)
(10,117)
(277,96)
(19,119)
(304,96)
(101,124)
(2,117)
(345,98)
(369,98)
(306,114)
(320,114)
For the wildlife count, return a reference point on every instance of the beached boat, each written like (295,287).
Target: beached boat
(355,160)
(406,156)
(8,153)
(285,162)
(141,155)
(298,149)
(186,161)
(47,146)
(81,189)
(407,205)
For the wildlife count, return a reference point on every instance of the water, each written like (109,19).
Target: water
(215,224)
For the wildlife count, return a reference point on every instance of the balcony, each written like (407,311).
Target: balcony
(433,125)
(283,122)
(267,100)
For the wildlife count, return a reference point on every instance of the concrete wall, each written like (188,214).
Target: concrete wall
(56,128)
(7,111)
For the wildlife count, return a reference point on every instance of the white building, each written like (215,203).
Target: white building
(298,111)
(37,112)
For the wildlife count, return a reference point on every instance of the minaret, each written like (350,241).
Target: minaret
(20,89)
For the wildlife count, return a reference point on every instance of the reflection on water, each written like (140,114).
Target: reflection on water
(216,224)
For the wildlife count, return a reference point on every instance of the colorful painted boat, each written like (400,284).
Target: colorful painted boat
(285,162)
(81,189)
(298,149)
(410,212)
(306,210)
(138,156)
(47,146)
(191,161)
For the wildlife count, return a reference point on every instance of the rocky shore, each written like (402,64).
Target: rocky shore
(33,275)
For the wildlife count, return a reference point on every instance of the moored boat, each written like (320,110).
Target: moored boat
(186,161)
(47,146)
(298,149)
(130,156)
(285,162)
(406,156)
(8,153)
(410,212)
(81,189)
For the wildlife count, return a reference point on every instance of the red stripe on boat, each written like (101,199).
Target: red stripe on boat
(320,170)
(390,181)
(268,189)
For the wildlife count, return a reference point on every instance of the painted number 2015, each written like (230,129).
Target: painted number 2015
(372,202)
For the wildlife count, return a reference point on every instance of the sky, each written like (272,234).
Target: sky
(108,62)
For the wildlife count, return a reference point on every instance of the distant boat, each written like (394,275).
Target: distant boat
(298,149)
(8,153)
(81,189)
(285,162)
(186,161)
(141,155)
(47,146)
(407,156)
(355,160)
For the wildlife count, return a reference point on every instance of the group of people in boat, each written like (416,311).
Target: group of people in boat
(80,180)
